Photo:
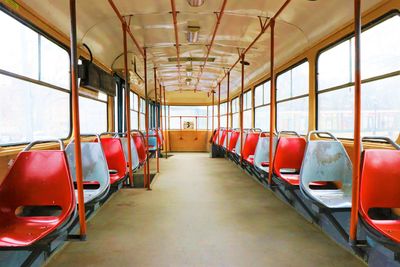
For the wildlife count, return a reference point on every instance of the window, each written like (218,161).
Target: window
(142,114)
(235,113)
(224,115)
(134,105)
(34,85)
(380,65)
(210,110)
(292,89)
(188,117)
(262,106)
(93,115)
(247,105)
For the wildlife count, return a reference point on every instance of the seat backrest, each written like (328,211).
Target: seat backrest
(215,136)
(289,154)
(227,139)
(222,137)
(152,140)
(261,154)
(140,146)
(112,147)
(238,143)
(94,167)
(326,161)
(380,180)
(134,153)
(250,144)
(38,179)
(233,140)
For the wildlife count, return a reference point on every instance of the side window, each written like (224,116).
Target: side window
(292,98)
(262,106)
(380,64)
(34,85)
(93,114)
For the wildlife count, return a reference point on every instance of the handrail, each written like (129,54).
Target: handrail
(321,132)
(256,130)
(288,133)
(86,135)
(33,143)
(381,138)
(265,132)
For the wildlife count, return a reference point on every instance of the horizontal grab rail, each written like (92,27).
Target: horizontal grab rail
(31,144)
(289,133)
(321,132)
(381,138)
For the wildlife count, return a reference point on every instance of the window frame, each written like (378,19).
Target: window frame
(347,37)
(55,41)
(298,63)
(262,105)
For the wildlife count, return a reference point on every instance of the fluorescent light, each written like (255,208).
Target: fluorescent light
(196,3)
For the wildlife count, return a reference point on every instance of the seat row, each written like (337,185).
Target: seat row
(38,195)
(319,167)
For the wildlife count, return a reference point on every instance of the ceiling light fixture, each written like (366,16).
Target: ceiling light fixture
(196,3)
(193,34)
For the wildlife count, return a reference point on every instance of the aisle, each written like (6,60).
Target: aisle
(201,212)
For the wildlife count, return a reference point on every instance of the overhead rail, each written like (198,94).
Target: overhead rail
(175,20)
(209,46)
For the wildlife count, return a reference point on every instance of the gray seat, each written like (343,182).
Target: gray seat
(261,155)
(227,138)
(134,153)
(326,161)
(95,172)
(238,146)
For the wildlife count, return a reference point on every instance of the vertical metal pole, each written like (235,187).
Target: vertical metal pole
(75,120)
(272,104)
(219,111)
(127,105)
(357,123)
(156,119)
(228,107)
(166,128)
(147,184)
(241,109)
(212,110)
(161,118)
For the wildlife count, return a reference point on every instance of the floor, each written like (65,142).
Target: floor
(201,212)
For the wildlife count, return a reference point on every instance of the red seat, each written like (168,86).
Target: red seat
(249,147)
(289,155)
(380,188)
(37,185)
(232,142)
(140,146)
(115,157)
(223,136)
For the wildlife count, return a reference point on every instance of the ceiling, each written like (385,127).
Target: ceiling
(298,27)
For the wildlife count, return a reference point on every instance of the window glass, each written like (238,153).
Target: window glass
(258,95)
(19,52)
(380,60)
(30,112)
(293,115)
(235,120)
(54,64)
(247,119)
(292,99)
(92,115)
(191,114)
(261,117)
(134,120)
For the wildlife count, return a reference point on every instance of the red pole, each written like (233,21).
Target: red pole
(228,107)
(219,111)
(212,110)
(156,117)
(147,184)
(357,123)
(75,121)
(241,110)
(161,120)
(166,128)
(272,104)
(127,105)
